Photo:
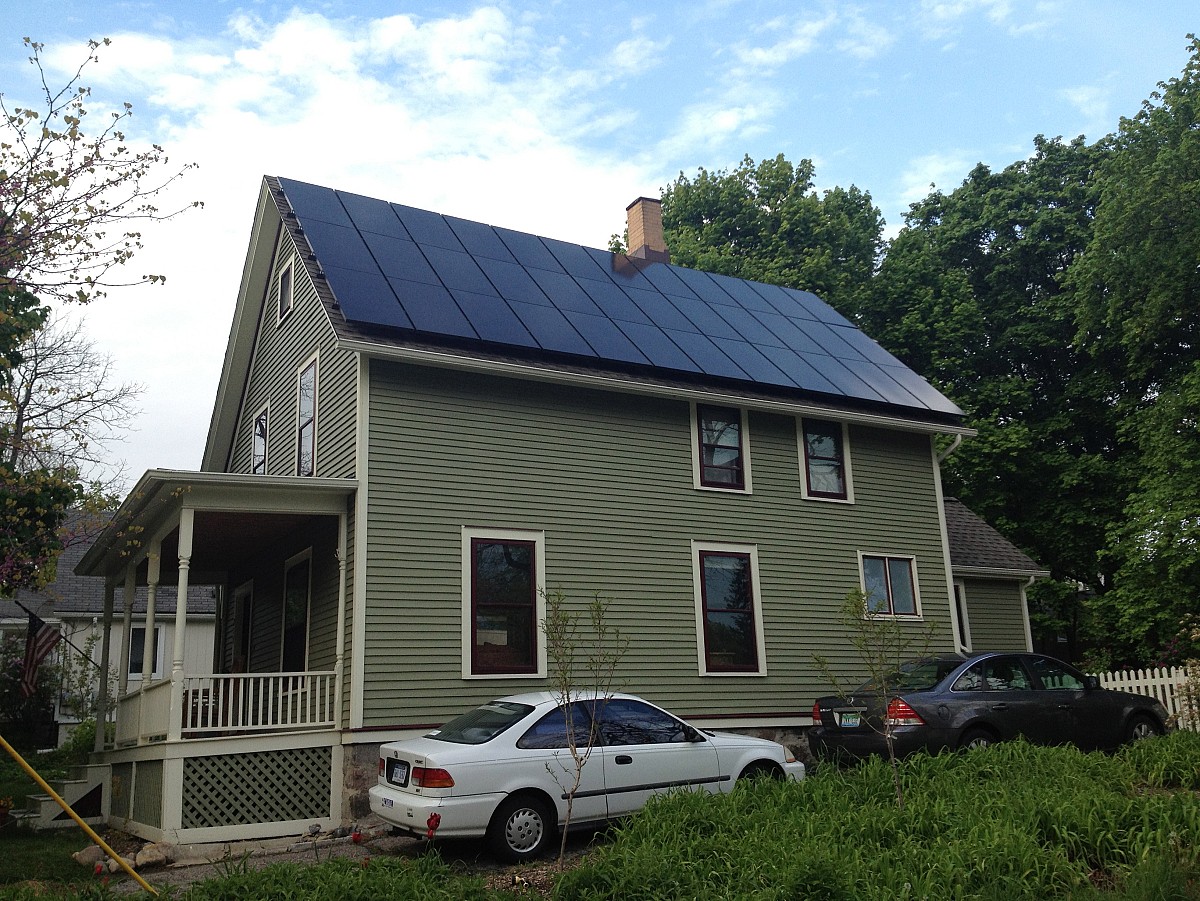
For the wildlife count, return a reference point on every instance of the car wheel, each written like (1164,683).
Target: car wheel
(761,769)
(521,828)
(1141,727)
(976,738)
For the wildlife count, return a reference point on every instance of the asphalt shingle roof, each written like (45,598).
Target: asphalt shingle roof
(976,545)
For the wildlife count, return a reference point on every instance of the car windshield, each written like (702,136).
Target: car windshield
(918,675)
(481,724)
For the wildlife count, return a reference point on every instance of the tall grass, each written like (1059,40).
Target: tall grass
(1009,822)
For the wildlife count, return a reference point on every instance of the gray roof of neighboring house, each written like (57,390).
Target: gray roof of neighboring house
(71,597)
(974,545)
(407,277)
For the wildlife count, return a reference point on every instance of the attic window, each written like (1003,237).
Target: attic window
(286,290)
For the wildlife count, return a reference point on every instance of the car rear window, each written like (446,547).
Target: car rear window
(919,675)
(481,724)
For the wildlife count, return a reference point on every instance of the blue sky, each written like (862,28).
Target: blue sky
(550,117)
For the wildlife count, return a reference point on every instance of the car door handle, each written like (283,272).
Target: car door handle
(1064,706)
(623,759)
(999,706)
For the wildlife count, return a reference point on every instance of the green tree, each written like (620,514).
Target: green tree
(1139,304)
(972,295)
(764,221)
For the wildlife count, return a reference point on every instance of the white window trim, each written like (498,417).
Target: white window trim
(288,565)
(847,471)
(747,486)
(919,616)
(538,538)
(160,639)
(289,268)
(698,592)
(264,410)
(315,362)
(964,624)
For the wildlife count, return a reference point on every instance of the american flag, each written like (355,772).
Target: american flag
(40,640)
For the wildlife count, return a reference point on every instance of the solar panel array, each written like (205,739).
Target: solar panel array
(442,277)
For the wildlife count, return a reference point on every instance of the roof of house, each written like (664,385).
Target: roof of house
(976,546)
(399,275)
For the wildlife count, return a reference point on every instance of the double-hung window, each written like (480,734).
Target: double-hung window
(826,464)
(890,585)
(722,460)
(728,611)
(502,604)
(306,421)
(137,648)
(258,453)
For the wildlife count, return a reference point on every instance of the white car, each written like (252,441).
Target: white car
(504,770)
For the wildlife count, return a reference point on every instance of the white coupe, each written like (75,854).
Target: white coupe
(504,770)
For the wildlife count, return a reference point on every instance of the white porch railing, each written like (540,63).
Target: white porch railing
(1178,691)
(228,704)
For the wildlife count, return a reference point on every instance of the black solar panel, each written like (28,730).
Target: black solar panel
(401,267)
(371,215)
(493,319)
(432,309)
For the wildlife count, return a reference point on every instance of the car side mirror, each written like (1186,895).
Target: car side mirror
(1091,683)
(691,734)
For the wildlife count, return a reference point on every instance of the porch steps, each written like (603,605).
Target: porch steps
(84,790)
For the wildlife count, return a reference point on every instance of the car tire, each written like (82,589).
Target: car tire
(1141,726)
(976,738)
(521,828)
(761,769)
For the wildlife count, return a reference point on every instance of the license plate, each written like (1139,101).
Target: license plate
(848,720)
(398,772)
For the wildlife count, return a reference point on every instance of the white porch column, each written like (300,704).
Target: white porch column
(126,631)
(340,657)
(110,591)
(186,522)
(150,646)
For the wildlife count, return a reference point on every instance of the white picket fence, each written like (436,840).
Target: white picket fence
(1178,690)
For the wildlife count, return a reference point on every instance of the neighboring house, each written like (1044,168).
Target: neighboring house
(990,579)
(423,423)
(76,604)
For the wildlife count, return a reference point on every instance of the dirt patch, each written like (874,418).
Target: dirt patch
(198,863)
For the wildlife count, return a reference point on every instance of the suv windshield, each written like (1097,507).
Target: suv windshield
(481,724)
(919,675)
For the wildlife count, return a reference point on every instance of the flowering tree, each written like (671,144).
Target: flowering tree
(73,201)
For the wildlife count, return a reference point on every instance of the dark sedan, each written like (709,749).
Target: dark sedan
(951,702)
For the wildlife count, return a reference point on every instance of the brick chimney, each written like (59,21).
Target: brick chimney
(646,241)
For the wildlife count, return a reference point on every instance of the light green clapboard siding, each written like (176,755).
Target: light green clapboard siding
(995,613)
(608,478)
(280,350)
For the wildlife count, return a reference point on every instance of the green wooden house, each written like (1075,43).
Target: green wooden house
(424,424)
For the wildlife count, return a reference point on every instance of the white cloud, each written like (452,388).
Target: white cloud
(799,38)
(472,115)
(945,171)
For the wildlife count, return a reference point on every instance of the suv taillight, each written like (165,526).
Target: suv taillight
(899,713)
(816,714)
(431,777)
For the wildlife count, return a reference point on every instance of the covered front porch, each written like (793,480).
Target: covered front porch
(247,742)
